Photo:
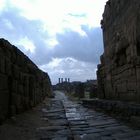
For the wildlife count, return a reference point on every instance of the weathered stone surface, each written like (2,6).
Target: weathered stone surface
(99,127)
(119,71)
(135,120)
(127,111)
(22,84)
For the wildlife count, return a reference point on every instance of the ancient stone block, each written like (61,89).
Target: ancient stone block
(14,85)
(121,57)
(8,65)
(13,98)
(135,120)
(20,89)
(2,64)
(131,86)
(138,73)
(21,82)
(3,82)
(4,104)
(15,71)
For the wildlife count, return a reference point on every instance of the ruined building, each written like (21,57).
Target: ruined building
(119,71)
(22,84)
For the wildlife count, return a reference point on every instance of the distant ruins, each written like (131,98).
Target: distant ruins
(61,80)
(119,71)
(22,84)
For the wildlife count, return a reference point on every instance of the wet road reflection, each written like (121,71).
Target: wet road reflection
(68,120)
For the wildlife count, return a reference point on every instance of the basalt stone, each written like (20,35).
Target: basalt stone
(135,120)
(119,72)
(22,83)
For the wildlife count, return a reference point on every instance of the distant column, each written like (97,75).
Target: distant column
(59,80)
(68,79)
(65,79)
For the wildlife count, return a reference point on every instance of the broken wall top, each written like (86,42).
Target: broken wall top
(115,9)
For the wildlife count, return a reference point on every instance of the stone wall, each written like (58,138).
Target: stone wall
(22,84)
(119,71)
(128,112)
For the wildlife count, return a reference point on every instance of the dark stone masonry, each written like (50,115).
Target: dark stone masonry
(119,71)
(22,83)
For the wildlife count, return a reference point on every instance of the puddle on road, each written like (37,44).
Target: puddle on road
(71,109)
(72,113)
(73,116)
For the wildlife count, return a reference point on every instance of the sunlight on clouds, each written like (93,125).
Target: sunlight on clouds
(28,45)
(58,35)
(59,63)
(8,24)
(53,13)
(52,43)
(69,67)
(2,4)
(53,64)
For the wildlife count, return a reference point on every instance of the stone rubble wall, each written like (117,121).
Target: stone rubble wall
(117,107)
(119,72)
(129,112)
(22,84)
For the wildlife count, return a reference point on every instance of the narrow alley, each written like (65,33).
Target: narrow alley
(68,120)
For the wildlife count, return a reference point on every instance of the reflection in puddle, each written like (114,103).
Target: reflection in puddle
(72,114)
(71,109)
(83,135)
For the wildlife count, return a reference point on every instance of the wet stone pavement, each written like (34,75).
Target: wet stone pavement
(68,120)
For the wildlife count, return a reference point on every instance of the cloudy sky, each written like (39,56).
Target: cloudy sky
(62,37)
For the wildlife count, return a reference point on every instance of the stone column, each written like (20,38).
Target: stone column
(59,80)
(65,79)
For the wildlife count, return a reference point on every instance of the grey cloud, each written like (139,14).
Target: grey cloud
(75,70)
(77,15)
(13,27)
(88,48)
(21,26)
(84,48)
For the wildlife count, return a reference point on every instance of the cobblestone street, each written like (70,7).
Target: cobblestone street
(68,120)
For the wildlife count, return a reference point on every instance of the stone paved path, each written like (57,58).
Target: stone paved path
(68,120)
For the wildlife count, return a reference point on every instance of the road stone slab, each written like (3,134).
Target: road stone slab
(69,120)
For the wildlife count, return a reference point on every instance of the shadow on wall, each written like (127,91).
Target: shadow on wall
(119,71)
(22,84)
